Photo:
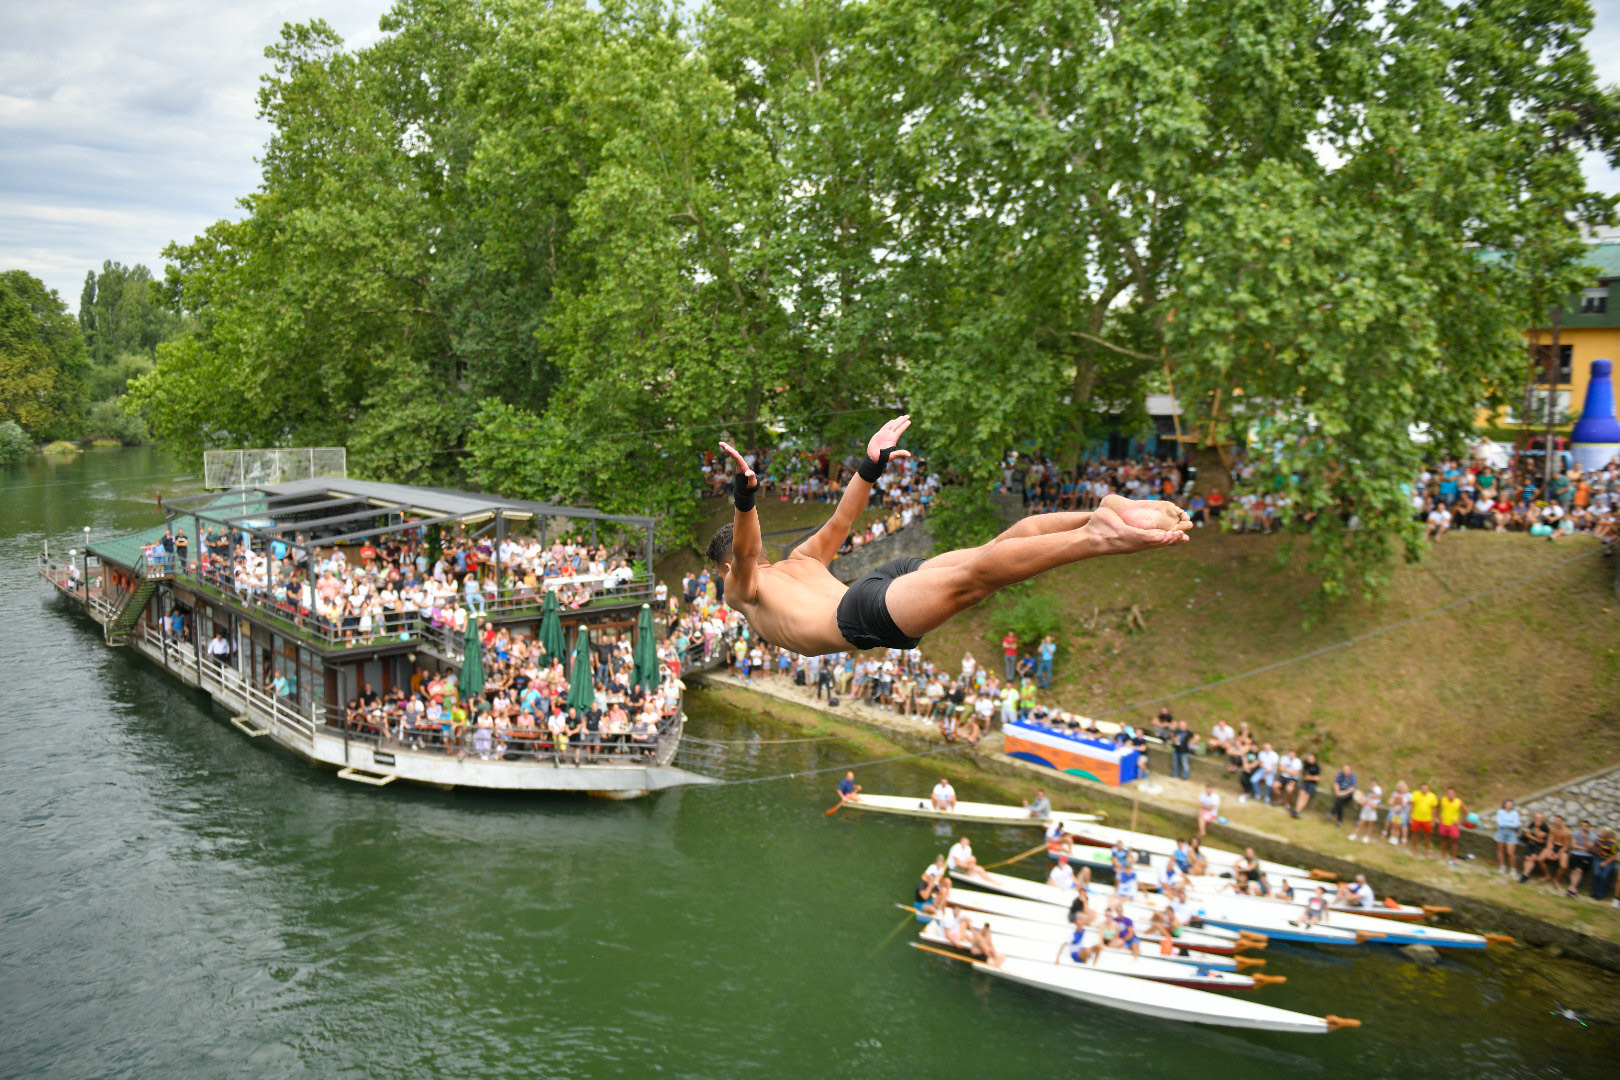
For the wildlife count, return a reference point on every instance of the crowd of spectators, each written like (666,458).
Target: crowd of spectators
(1474,495)
(523,711)
(380,586)
(902,497)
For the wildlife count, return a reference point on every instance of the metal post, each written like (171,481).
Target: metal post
(500,541)
(1554,362)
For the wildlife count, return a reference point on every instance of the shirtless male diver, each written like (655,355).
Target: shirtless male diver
(798,604)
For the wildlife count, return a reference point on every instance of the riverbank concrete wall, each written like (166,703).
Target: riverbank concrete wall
(1158,811)
(1594,797)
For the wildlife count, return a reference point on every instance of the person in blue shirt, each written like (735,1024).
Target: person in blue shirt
(848,789)
(1045,655)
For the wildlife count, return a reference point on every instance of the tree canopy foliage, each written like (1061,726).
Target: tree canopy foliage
(42,359)
(559,249)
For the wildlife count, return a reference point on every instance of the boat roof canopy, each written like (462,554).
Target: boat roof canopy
(333,510)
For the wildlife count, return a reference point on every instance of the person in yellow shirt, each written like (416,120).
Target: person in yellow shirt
(1452,810)
(1424,801)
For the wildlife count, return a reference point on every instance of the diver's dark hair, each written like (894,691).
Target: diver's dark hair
(720,546)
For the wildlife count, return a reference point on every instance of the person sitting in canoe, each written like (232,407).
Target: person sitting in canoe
(1246,869)
(848,789)
(1084,946)
(960,931)
(944,795)
(1062,875)
(1119,930)
(1165,929)
(1125,881)
(1120,856)
(799,605)
(933,889)
(1284,891)
(1169,875)
(1316,909)
(1058,840)
(961,859)
(1200,865)
(1040,807)
(1357,893)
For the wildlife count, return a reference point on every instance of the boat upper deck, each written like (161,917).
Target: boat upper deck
(342,564)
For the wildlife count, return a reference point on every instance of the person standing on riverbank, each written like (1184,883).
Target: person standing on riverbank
(1424,801)
(1508,822)
(1452,811)
(1344,792)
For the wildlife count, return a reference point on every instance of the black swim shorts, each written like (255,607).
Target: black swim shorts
(863,613)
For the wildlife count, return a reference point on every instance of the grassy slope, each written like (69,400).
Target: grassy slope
(1501,696)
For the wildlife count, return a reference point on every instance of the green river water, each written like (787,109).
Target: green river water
(177,901)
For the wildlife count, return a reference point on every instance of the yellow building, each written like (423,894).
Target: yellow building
(1589,330)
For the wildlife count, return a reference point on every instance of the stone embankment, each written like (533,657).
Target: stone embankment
(1594,797)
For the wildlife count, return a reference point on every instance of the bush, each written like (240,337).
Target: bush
(963,516)
(1028,613)
(15,445)
(109,420)
(61,446)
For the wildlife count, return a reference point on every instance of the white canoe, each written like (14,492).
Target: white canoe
(976,813)
(1159,999)
(1118,961)
(1220,859)
(1256,913)
(1048,934)
(1305,888)
(1211,939)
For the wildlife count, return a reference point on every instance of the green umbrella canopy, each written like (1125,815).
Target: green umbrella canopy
(646,669)
(472,663)
(581,687)
(552,642)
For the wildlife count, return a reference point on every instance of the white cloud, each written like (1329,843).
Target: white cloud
(125,126)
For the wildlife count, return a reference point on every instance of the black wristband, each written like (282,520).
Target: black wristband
(741,494)
(870,470)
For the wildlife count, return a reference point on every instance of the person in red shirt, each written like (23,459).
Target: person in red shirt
(1215,504)
(1009,653)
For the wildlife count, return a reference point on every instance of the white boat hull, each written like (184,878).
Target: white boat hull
(974,813)
(1158,1000)
(1118,961)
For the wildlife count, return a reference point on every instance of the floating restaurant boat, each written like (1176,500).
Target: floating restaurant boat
(134,588)
(1118,961)
(975,813)
(1155,999)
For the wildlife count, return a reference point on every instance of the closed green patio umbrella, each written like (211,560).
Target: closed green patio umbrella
(581,687)
(472,663)
(552,642)
(646,667)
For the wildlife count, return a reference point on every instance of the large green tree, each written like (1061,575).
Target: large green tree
(559,248)
(42,359)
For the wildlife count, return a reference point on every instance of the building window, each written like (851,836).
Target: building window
(1548,372)
(1595,301)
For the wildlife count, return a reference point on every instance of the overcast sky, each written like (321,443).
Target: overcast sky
(126,125)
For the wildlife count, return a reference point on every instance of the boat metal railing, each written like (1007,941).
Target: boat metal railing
(515,746)
(390,626)
(213,675)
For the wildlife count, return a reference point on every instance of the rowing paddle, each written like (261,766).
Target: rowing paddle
(839,805)
(1015,858)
